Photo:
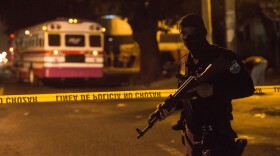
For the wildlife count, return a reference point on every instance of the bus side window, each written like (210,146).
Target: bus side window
(54,40)
(41,40)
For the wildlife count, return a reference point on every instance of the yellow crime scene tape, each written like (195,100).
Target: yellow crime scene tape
(113,95)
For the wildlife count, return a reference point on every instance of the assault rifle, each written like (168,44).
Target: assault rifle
(219,65)
(169,103)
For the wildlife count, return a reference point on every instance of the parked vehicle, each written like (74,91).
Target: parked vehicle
(61,48)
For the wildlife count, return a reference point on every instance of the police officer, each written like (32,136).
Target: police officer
(207,130)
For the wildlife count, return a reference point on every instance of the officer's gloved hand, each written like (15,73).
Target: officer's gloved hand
(162,115)
(204,90)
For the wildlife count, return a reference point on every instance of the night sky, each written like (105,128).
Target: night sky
(17,14)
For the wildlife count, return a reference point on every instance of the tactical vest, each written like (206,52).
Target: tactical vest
(189,67)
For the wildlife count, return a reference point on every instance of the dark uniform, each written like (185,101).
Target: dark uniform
(207,109)
(209,127)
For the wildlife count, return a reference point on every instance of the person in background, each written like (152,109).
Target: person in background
(256,66)
(207,130)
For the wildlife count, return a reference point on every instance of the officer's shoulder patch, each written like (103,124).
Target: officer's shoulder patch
(235,67)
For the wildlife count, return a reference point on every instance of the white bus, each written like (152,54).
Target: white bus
(62,48)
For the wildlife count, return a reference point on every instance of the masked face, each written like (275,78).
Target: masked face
(192,40)
(186,35)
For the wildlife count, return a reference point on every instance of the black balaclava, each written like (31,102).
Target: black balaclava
(195,41)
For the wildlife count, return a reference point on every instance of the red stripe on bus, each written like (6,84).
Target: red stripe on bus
(56,72)
(36,52)
(76,52)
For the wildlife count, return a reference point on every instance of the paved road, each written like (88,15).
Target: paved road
(74,129)
(108,127)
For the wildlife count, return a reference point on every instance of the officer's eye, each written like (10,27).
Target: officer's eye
(187,31)
(184,35)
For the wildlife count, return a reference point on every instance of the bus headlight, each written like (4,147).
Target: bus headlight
(55,52)
(94,53)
